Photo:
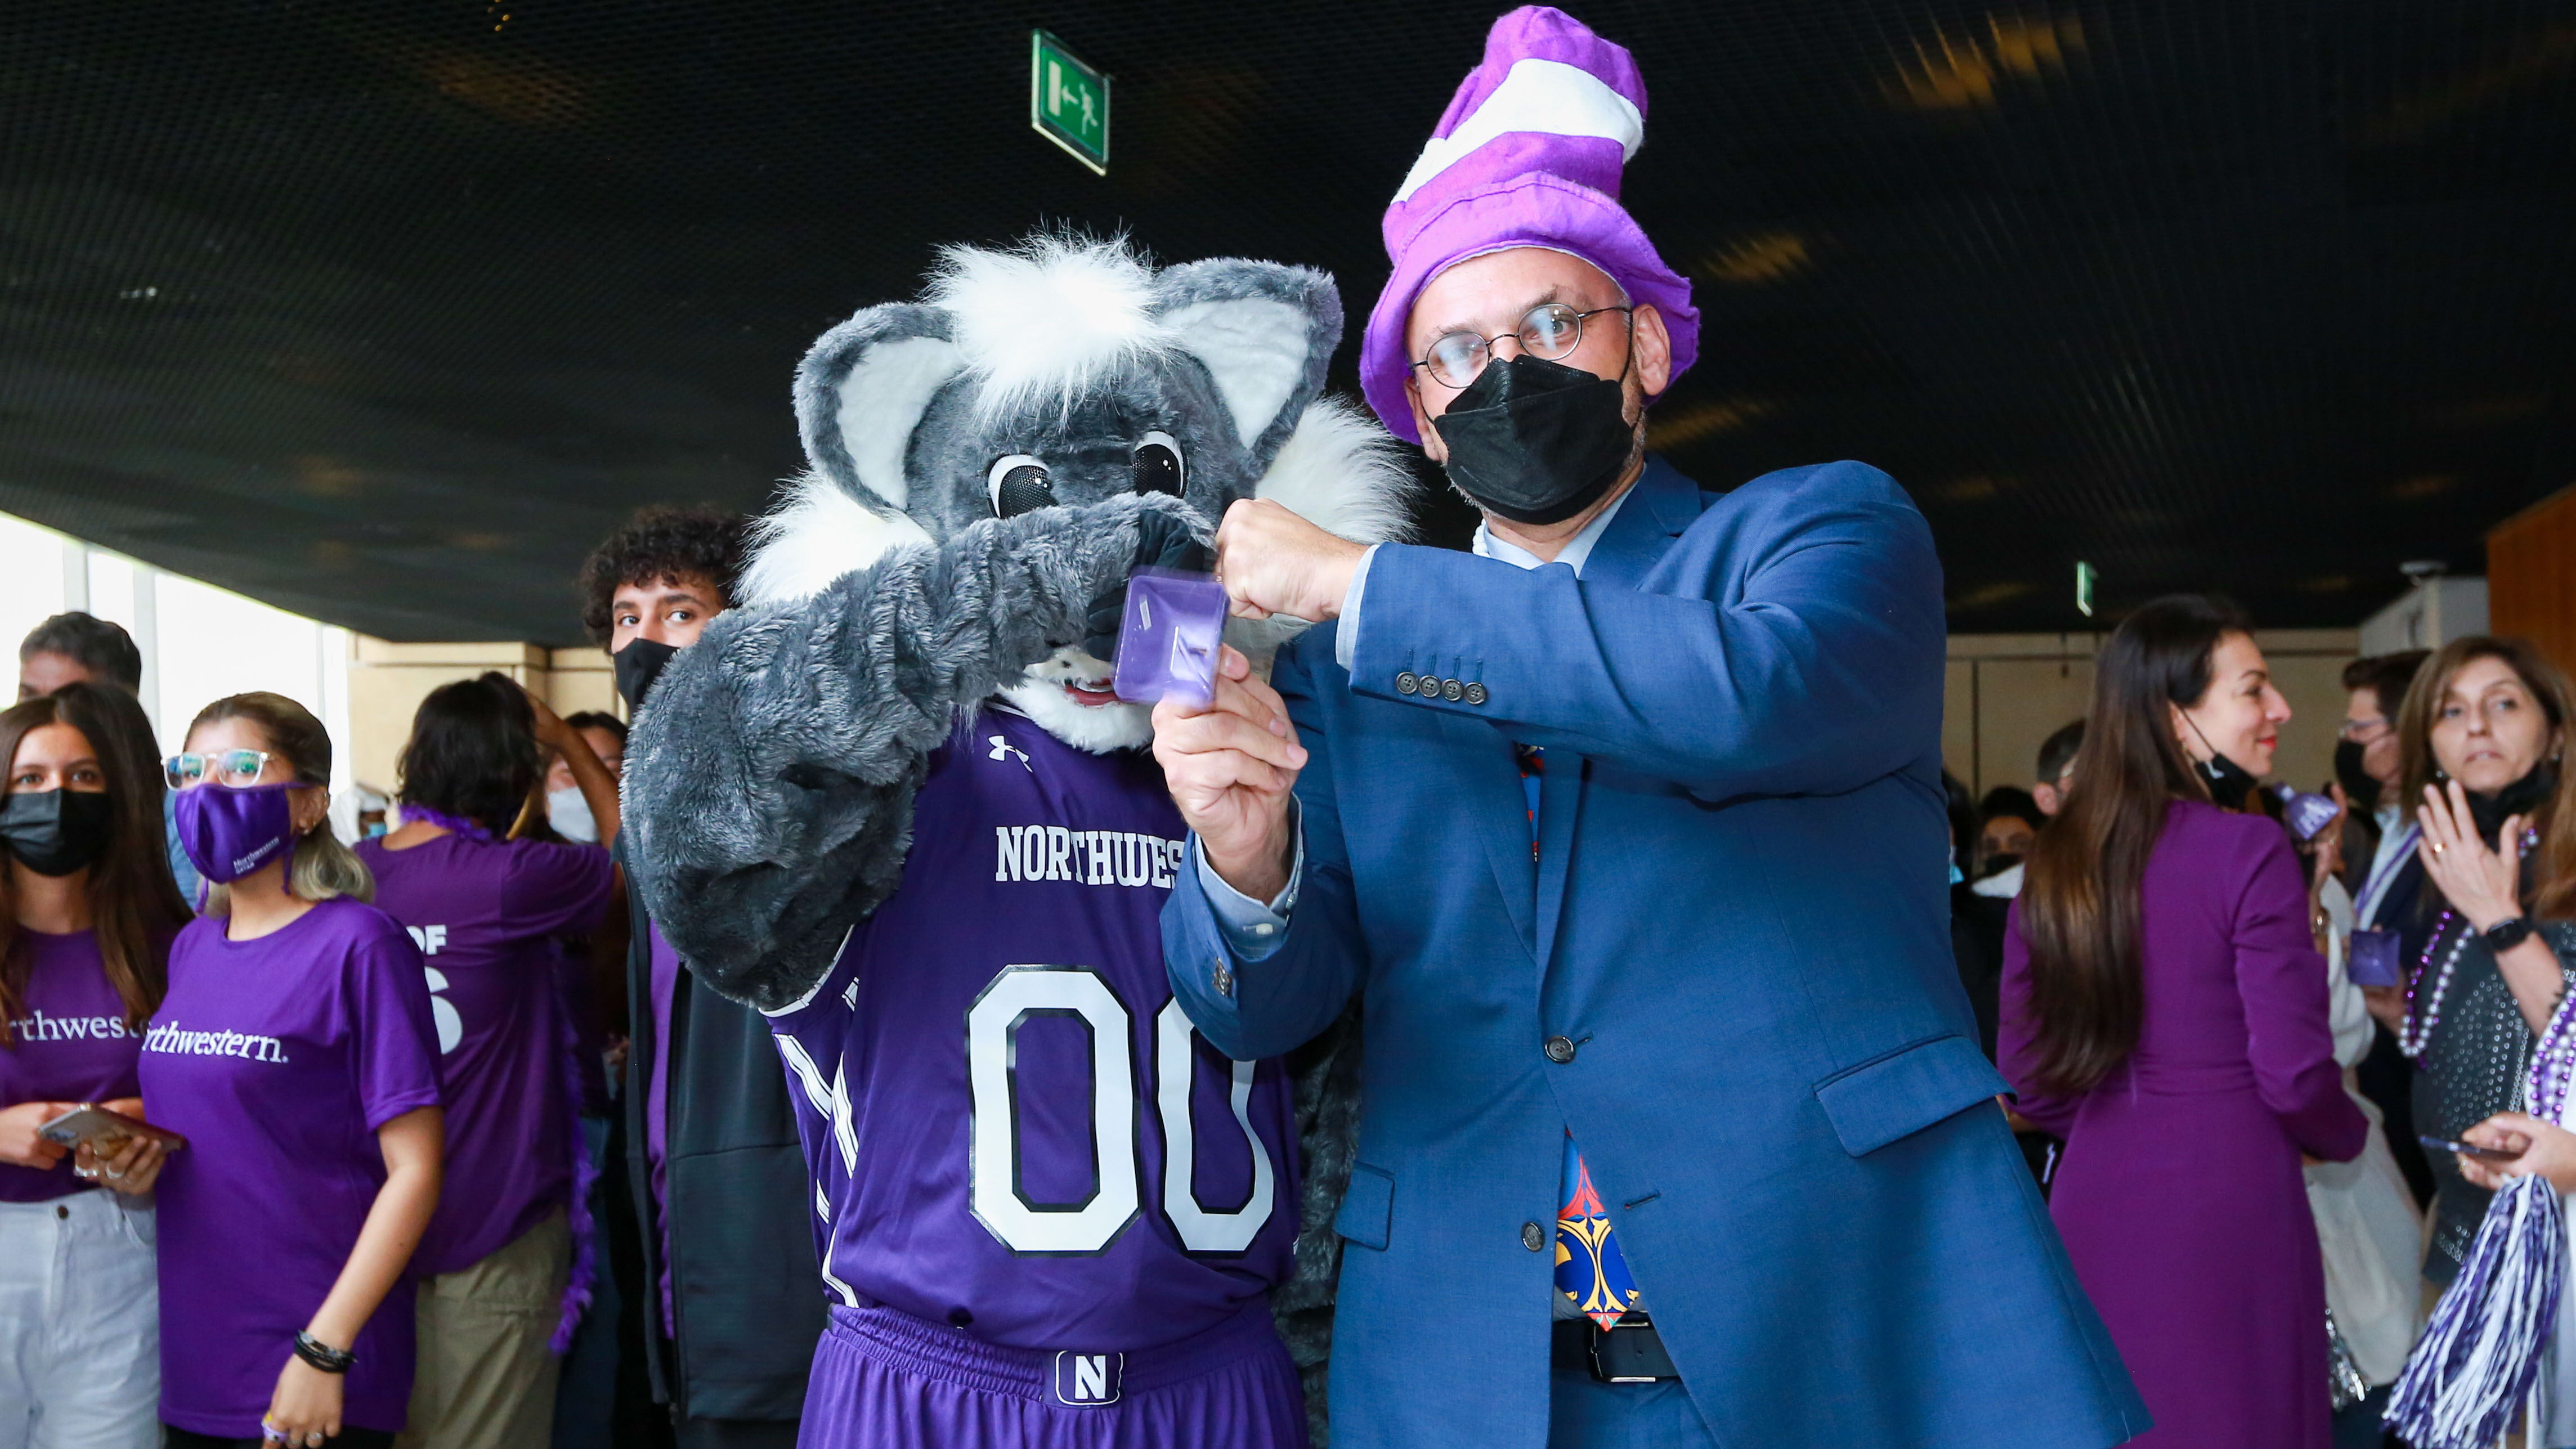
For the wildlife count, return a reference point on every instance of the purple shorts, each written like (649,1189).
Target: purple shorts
(884,1378)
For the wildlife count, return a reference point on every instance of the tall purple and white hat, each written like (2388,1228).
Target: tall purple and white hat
(1527,155)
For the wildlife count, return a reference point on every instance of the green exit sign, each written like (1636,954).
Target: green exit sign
(1068,101)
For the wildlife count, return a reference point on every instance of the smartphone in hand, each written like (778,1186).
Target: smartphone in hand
(103,1129)
(2482,1154)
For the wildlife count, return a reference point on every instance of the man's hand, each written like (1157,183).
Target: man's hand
(1230,765)
(1273,562)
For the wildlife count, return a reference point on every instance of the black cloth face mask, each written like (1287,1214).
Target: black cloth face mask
(2523,797)
(2358,787)
(2229,785)
(1536,441)
(56,832)
(637,666)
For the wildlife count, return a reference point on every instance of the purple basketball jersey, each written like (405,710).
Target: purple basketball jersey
(1011,1125)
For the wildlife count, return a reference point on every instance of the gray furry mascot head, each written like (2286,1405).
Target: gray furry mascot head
(988,464)
(1064,373)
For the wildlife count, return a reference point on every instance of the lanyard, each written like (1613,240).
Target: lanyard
(2386,873)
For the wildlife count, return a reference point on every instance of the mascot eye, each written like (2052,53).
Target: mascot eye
(1158,465)
(1019,484)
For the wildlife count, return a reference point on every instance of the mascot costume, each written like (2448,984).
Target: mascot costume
(894,805)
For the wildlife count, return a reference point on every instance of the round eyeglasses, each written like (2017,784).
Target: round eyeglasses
(1549,331)
(240,769)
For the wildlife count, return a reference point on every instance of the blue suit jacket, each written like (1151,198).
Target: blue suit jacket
(1739,915)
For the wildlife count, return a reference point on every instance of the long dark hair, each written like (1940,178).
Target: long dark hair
(2079,903)
(2552,871)
(473,753)
(135,907)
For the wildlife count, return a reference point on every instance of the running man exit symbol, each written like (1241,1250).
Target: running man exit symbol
(1068,101)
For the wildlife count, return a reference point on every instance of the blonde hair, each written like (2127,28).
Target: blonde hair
(323,867)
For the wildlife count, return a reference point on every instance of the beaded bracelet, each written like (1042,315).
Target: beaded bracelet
(323,1356)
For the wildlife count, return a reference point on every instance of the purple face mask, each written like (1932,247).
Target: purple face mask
(230,833)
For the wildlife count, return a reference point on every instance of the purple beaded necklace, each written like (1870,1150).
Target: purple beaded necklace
(2413,1040)
(2553,1067)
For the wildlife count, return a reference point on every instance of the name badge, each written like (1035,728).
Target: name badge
(2375,959)
(1088,1380)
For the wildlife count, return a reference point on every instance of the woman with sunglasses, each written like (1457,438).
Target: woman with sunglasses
(295,1051)
(486,901)
(86,917)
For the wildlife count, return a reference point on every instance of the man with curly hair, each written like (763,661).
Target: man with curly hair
(727,1296)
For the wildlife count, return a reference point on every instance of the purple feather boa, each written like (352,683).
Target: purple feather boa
(416,814)
(577,1288)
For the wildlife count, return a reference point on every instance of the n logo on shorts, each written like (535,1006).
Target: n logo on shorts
(1088,1380)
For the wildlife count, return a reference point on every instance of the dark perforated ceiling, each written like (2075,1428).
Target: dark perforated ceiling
(384,310)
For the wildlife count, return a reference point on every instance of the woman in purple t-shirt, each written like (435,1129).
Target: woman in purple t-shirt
(85,928)
(485,888)
(295,1050)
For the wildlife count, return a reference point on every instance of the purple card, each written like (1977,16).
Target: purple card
(2306,814)
(1167,643)
(2375,959)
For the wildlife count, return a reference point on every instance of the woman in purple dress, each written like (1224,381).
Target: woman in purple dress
(2164,1010)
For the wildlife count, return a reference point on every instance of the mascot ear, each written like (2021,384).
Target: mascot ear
(862,390)
(1263,331)
(860,393)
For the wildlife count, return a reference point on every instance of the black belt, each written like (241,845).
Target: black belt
(1630,1352)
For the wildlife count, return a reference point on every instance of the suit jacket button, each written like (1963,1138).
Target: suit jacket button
(1533,1237)
(1559,1050)
(1405,682)
(1475,694)
(1451,689)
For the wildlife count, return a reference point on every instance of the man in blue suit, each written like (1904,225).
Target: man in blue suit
(1674,1126)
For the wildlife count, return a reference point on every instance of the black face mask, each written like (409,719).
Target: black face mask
(2358,787)
(56,832)
(1536,441)
(2228,783)
(637,666)
(2523,797)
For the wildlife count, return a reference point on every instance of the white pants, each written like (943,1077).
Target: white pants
(80,1325)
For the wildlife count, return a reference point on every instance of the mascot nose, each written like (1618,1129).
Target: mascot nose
(1020,485)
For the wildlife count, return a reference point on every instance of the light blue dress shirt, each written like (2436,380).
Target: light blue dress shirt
(1252,928)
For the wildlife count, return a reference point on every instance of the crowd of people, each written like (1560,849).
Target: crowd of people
(1503,1003)
(2236,1157)
(380,1059)
(365,1201)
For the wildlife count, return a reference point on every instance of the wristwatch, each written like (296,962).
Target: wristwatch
(2508,933)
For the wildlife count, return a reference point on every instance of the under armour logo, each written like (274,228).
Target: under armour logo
(1003,748)
(1088,1380)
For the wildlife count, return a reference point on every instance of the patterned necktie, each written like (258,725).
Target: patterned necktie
(1590,1269)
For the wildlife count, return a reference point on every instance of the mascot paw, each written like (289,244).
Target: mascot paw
(1166,538)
